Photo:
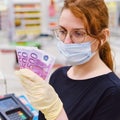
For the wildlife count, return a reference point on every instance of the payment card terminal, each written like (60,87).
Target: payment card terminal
(11,108)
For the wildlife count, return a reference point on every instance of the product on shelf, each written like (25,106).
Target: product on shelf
(26,19)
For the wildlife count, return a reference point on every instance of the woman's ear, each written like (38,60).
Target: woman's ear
(106,33)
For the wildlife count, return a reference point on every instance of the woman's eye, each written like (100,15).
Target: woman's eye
(79,33)
(62,32)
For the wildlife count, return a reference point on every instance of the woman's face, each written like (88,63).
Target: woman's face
(68,22)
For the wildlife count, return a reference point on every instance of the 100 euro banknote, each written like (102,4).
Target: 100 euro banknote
(36,60)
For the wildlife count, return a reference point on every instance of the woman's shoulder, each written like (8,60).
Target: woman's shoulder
(110,83)
(110,79)
(113,79)
(105,83)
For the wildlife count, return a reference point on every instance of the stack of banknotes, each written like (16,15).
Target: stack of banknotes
(36,60)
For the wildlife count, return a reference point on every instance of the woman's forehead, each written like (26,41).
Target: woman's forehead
(67,19)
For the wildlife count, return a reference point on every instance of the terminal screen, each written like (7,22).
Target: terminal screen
(8,103)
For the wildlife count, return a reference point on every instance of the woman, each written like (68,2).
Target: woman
(88,89)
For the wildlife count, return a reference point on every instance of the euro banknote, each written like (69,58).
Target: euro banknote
(36,60)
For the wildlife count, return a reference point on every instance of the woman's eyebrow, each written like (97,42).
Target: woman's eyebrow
(62,27)
(72,28)
(78,28)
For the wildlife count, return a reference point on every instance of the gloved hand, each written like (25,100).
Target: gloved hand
(41,94)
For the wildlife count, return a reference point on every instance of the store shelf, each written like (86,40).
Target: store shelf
(25,18)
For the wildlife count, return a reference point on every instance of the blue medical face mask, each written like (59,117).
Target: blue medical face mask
(76,54)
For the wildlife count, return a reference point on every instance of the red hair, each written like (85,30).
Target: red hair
(94,14)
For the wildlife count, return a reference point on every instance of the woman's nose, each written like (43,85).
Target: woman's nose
(67,39)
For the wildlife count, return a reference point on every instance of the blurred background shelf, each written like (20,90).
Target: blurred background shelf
(30,23)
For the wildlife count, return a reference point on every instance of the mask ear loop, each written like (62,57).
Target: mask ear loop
(107,36)
(93,41)
(93,53)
